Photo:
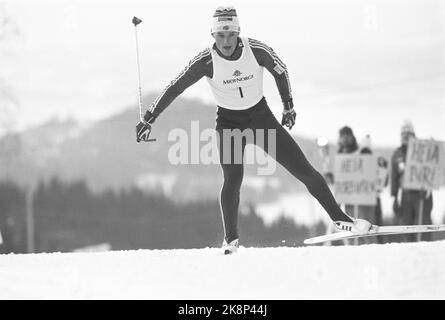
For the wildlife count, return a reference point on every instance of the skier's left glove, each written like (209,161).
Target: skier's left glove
(143,128)
(289,114)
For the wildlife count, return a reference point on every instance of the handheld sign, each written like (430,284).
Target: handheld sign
(424,164)
(355,179)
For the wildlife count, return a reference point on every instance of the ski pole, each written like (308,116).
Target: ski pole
(137,21)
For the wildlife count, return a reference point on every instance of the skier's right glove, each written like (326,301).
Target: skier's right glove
(143,128)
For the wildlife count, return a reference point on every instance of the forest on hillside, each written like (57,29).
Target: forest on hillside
(69,216)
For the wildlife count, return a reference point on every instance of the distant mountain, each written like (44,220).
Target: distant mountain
(106,155)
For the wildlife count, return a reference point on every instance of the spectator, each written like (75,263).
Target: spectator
(406,203)
(366,145)
(346,141)
(347,144)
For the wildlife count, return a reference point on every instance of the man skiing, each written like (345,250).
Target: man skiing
(234,66)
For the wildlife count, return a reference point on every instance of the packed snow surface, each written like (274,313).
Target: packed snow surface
(389,271)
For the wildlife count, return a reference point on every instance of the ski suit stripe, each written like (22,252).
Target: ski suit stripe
(277,61)
(202,54)
(269,50)
(260,45)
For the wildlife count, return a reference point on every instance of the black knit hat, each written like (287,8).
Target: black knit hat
(346,130)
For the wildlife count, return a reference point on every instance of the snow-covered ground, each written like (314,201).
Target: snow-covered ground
(390,271)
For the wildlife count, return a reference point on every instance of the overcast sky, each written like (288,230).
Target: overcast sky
(368,64)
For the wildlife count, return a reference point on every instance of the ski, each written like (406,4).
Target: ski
(376,231)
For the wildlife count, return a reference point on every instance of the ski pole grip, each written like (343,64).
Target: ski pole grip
(136,21)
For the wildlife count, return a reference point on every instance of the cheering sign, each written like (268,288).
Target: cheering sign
(355,179)
(424,164)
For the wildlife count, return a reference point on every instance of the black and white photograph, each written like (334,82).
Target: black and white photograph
(228,152)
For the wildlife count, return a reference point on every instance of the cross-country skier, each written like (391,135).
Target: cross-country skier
(234,66)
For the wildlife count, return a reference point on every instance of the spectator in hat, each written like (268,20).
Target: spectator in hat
(406,203)
(347,144)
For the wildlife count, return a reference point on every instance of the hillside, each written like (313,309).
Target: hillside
(106,155)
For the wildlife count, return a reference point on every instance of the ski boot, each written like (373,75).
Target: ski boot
(358,226)
(229,248)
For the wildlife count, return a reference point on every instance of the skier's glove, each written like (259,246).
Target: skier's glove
(289,115)
(143,128)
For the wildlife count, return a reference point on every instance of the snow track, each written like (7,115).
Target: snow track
(390,271)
